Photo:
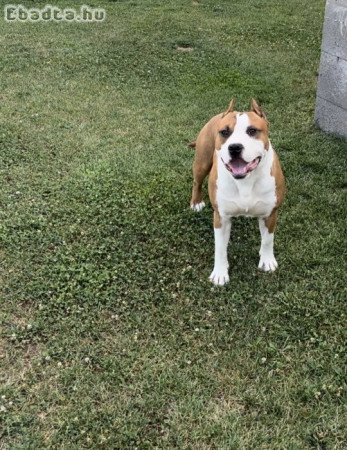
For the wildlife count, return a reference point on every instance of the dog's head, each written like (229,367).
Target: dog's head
(242,140)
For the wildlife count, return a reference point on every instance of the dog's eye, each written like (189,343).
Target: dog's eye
(252,131)
(226,132)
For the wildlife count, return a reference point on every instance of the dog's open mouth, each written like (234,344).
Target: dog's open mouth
(239,168)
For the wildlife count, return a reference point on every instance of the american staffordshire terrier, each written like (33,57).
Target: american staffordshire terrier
(245,179)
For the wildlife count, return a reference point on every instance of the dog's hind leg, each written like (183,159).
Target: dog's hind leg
(204,150)
(201,168)
(200,171)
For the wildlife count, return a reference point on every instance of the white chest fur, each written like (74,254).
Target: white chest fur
(253,196)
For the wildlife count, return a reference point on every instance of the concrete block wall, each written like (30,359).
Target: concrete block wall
(331,104)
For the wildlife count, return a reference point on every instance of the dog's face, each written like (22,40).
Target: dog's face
(242,140)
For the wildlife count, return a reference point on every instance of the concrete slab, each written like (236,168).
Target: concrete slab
(335,28)
(331,104)
(332,81)
(331,118)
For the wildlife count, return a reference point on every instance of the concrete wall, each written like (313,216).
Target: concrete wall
(331,105)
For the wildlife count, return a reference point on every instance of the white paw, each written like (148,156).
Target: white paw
(267,263)
(197,207)
(219,277)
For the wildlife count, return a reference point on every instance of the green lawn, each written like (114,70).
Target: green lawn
(112,337)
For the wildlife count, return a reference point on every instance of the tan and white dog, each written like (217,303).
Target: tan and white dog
(245,180)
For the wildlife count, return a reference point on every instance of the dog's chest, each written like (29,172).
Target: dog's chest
(255,198)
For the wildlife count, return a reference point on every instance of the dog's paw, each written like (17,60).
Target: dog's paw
(219,277)
(197,207)
(267,263)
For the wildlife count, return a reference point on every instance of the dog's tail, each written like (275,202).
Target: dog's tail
(192,144)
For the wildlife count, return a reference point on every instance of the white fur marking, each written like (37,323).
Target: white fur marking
(267,261)
(197,207)
(219,275)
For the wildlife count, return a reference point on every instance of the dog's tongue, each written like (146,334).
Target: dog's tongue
(238,166)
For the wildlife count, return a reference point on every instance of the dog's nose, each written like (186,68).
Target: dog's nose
(235,149)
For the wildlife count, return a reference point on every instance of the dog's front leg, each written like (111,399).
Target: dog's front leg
(222,225)
(267,261)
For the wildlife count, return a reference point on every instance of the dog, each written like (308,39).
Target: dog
(245,179)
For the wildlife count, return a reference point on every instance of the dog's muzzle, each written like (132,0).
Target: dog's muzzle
(239,168)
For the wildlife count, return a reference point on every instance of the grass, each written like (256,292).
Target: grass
(111,334)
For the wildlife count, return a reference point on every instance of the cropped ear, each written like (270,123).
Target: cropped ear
(257,109)
(230,107)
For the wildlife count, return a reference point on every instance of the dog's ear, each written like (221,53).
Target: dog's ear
(257,109)
(230,107)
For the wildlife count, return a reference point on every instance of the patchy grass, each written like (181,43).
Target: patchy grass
(111,334)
